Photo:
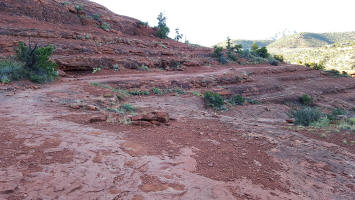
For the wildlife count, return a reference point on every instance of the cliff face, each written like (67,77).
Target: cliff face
(88,35)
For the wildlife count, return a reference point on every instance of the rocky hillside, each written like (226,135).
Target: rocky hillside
(306,40)
(87,35)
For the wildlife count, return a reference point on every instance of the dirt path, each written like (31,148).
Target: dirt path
(239,154)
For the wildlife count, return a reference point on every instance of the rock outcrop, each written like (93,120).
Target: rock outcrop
(87,35)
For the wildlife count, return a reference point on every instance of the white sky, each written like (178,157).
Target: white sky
(208,22)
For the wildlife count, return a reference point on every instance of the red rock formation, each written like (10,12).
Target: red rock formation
(76,28)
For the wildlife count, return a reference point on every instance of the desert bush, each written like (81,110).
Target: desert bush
(279,57)
(306,100)
(213,100)
(96,69)
(143,24)
(305,116)
(157,91)
(315,66)
(139,92)
(237,100)
(262,52)
(232,56)
(321,123)
(217,51)
(96,17)
(163,29)
(336,73)
(37,66)
(105,26)
(115,67)
(238,47)
(335,113)
(127,108)
(11,70)
(273,61)
(143,68)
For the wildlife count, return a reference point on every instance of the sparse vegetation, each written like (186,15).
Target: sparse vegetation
(143,68)
(96,69)
(121,93)
(306,100)
(237,100)
(127,108)
(105,26)
(306,116)
(315,66)
(139,92)
(163,29)
(157,91)
(115,67)
(218,53)
(196,93)
(30,62)
(11,70)
(214,100)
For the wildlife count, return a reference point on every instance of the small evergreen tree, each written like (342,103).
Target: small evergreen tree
(254,47)
(163,29)
(38,67)
(229,46)
(178,35)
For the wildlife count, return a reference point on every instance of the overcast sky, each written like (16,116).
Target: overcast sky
(208,22)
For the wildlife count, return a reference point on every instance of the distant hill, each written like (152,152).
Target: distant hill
(247,43)
(334,50)
(304,40)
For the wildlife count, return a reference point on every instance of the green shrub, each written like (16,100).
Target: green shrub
(305,116)
(213,100)
(279,57)
(97,17)
(262,52)
(105,26)
(336,112)
(306,100)
(196,93)
(143,24)
(273,61)
(157,91)
(143,68)
(321,123)
(315,66)
(163,29)
(115,67)
(96,69)
(232,56)
(11,70)
(238,47)
(127,108)
(217,51)
(38,68)
(139,93)
(237,100)
(252,101)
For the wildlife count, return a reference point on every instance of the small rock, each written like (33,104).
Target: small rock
(162,117)
(267,109)
(155,123)
(210,164)
(142,123)
(74,106)
(290,120)
(91,107)
(98,118)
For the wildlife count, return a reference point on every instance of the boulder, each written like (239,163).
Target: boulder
(98,118)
